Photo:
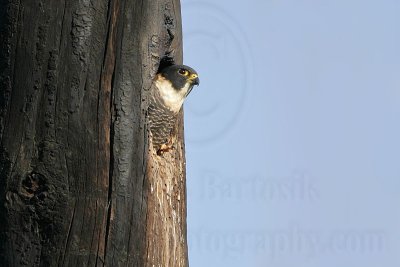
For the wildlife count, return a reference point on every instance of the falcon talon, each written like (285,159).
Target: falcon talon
(168,91)
(163,150)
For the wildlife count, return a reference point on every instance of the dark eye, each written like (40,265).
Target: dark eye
(183,72)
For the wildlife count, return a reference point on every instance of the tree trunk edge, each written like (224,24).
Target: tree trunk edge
(75,164)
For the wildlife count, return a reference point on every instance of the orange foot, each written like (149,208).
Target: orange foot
(164,148)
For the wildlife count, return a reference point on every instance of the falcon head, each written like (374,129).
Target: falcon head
(175,83)
(181,77)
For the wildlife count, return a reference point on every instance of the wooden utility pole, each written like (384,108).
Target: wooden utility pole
(79,185)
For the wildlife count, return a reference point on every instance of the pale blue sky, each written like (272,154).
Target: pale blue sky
(293,137)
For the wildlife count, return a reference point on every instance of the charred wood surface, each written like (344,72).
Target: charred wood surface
(79,183)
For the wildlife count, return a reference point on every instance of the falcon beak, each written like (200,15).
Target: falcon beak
(193,83)
(194,79)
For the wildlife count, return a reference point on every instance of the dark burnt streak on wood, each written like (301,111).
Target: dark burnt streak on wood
(79,182)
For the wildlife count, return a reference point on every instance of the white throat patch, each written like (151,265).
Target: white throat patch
(173,99)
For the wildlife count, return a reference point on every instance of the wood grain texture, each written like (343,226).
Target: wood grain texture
(166,208)
(80,185)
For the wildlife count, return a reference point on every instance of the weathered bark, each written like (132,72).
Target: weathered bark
(79,183)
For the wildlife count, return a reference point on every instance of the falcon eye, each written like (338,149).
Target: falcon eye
(183,72)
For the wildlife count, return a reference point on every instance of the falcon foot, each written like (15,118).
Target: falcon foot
(164,148)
